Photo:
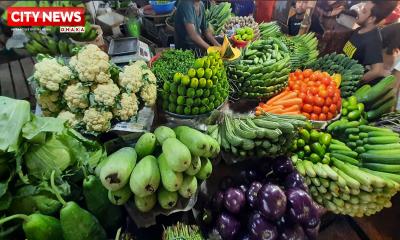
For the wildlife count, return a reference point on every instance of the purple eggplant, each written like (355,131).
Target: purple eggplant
(271,202)
(282,166)
(226,183)
(300,205)
(218,201)
(243,187)
(252,193)
(244,236)
(234,200)
(314,217)
(261,229)
(292,232)
(228,226)
(312,233)
(321,210)
(295,180)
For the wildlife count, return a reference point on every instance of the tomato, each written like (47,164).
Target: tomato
(335,99)
(307,108)
(339,104)
(322,117)
(331,91)
(323,93)
(309,99)
(328,101)
(314,90)
(329,116)
(314,117)
(296,86)
(298,72)
(313,77)
(333,109)
(306,115)
(310,83)
(304,88)
(291,84)
(325,109)
(300,78)
(303,96)
(307,73)
(319,101)
(326,81)
(317,110)
(325,74)
(306,80)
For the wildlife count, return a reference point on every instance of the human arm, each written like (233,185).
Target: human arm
(210,37)
(377,70)
(195,37)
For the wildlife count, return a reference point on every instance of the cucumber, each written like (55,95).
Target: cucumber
(351,154)
(377,91)
(245,134)
(382,134)
(344,158)
(354,172)
(337,142)
(392,146)
(352,137)
(363,135)
(381,101)
(393,177)
(334,147)
(389,168)
(367,128)
(331,174)
(384,108)
(381,156)
(352,131)
(360,150)
(383,140)
(351,182)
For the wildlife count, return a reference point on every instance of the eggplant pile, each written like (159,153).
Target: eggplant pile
(265,207)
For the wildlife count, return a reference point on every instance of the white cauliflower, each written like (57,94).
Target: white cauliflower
(105,94)
(98,121)
(142,64)
(48,103)
(50,74)
(148,76)
(92,65)
(72,119)
(76,96)
(149,94)
(128,107)
(131,78)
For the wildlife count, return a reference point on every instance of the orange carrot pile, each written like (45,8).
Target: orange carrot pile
(286,102)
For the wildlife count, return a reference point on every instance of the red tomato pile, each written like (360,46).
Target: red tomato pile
(319,92)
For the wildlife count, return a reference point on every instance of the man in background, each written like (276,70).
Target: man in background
(365,44)
(294,22)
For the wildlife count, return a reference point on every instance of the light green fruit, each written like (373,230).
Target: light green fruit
(145,177)
(196,141)
(177,155)
(120,197)
(162,133)
(194,167)
(167,199)
(115,172)
(205,170)
(145,145)
(214,147)
(171,180)
(189,186)
(145,204)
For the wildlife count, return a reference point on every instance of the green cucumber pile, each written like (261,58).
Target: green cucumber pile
(263,71)
(163,165)
(217,15)
(270,29)
(203,88)
(268,135)
(378,99)
(350,70)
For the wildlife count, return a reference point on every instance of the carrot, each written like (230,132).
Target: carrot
(258,113)
(279,96)
(277,111)
(290,102)
(259,108)
(273,107)
(288,96)
(293,113)
(293,108)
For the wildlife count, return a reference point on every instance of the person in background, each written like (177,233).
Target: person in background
(327,11)
(365,44)
(191,25)
(295,21)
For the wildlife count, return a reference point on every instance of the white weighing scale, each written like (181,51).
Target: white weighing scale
(125,50)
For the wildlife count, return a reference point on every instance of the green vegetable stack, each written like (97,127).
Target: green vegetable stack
(348,68)
(184,160)
(263,71)
(217,15)
(270,29)
(201,89)
(268,135)
(378,99)
(45,44)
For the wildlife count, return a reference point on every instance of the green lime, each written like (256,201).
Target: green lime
(206,62)
(214,79)
(197,102)
(185,80)
(180,100)
(190,92)
(192,73)
(165,105)
(199,92)
(173,88)
(301,154)
(206,93)
(203,109)
(195,110)
(200,72)
(194,83)
(177,77)
(205,101)
(179,109)
(212,61)
(212,98)
(307,149)
(189,102)
(181,90)
(172,98)
(172,107)
(187,110)
(209,83)
(202,82)
(166,86)
(199,63)
(208,73)
(210,106)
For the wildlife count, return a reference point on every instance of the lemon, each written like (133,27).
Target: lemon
(192,73)
(209,83)
(212,61)
(200,72)
(177,77)
(208,73)
(185,80)
(194,83)
(202,82)
(199,63)
(207,63)
(180,100)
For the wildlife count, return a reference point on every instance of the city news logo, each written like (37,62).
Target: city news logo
(69,19)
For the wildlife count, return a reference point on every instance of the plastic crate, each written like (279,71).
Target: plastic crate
(242,7)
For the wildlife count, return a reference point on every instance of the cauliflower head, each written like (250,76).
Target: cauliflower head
(142,64)
(149,94)
(72,118)
(131,78)
(105,94)
(49,103)
(98,121)
(149,77)
(128,107)
(92,65)
(76,96)
(51,74)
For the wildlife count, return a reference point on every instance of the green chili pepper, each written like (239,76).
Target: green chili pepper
(47,205)
(38,226)
(96,199)
(76,222)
